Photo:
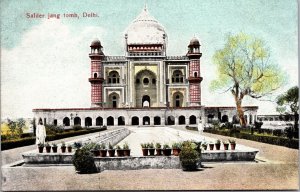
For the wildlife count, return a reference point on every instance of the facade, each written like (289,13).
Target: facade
(144,87)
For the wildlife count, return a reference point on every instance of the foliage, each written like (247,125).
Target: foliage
(218,141)
(157,145)
(47,145)
(83,161)
(97,147)
(54,145)
(244,67)
(292,143)
(118,147)
(191,128)
(53,129)
(102,146)
(258,124)
(144,145)
(277,132)
(77,145)
(176,145)
(77,127)
(166,146)
(110,146)
(151,145)
(125,146)
(232,141)
(15,128)
(188,156)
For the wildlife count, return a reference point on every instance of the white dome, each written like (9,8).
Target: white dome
(145,30)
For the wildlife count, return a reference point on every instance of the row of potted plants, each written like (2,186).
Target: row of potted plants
(166,150)
(217,144)
(54,147)
(101,150)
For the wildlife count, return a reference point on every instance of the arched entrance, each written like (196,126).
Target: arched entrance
(177,99)
(192,120)
(88,121)
(171,120)
(224,119)
(146,101)
(77,121)
(157,120)
(99,121)
(135,121)
(66,121)
(113,100)
(110,121)
(145,88)
(121,120)
(181,120)
(146,120)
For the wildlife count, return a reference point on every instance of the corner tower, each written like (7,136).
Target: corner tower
(96,78)
(194,79)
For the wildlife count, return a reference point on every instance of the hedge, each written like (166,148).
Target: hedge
(10,144)
(293,143)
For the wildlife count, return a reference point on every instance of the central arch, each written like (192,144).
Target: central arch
(121,120)
(145,88)
(171,120)
(135,120)
(157,120)
(146,120)
(177,99)
(181,120)
(88,122)
(110,121)
(77,121)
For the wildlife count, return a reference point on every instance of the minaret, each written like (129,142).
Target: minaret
(96,78)
(194,72)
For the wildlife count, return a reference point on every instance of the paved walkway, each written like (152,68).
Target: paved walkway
(277,170)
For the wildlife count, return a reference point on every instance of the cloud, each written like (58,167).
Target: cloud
(48,69)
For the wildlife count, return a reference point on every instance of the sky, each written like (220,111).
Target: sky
(45,63)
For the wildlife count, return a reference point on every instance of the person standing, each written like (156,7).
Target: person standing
(40,133)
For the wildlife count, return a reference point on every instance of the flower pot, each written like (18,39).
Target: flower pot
(176,152)
(41,149)
(211,146)
(54,149)
(151,152)
(103,152)
(48,149)
(158,152)
(96,153)
(120,152)
(145,151)
(218,146)
(63,149)
(126,152)
(167,152)
(111,152)
(232,145)
(69,149)
(226,145)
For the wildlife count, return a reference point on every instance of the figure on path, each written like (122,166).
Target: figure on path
(200,127)
(40,133)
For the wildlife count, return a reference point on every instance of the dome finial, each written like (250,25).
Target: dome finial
(145,7)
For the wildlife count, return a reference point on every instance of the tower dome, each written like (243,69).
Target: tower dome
(194,42)
(96,43)
(145,29)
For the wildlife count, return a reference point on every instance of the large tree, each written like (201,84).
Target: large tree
(244,68)
(288,104)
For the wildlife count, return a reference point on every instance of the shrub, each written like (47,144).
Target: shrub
(77,127)
(191,128)
(258,124)
(277,132)
(188,156)
(83,161)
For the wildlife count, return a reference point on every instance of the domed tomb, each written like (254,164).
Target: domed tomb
(145,30)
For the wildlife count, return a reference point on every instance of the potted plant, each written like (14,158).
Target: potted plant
(211,146)
(48,147)
(204,146)
(69,147)
(96,150)
(226,145)
(111,150)
(176,148)
(189,157)
(232,144)
(158,149)
(151,149)
(41,147)
(120,152)
(218,144)
(63,147)
(167,150)
(126,149)
(54,147)
(103,150)
(145,149)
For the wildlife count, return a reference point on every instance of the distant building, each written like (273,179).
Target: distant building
(144,87)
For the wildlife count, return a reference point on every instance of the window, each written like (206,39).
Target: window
(195,74)
(113,77)
(95,75)
(154,81)
(177,77)
(146,81)
(114,100)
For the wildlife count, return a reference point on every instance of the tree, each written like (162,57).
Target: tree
(244,68)
(288,104)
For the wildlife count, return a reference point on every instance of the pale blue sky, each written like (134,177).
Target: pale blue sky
(53,58)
